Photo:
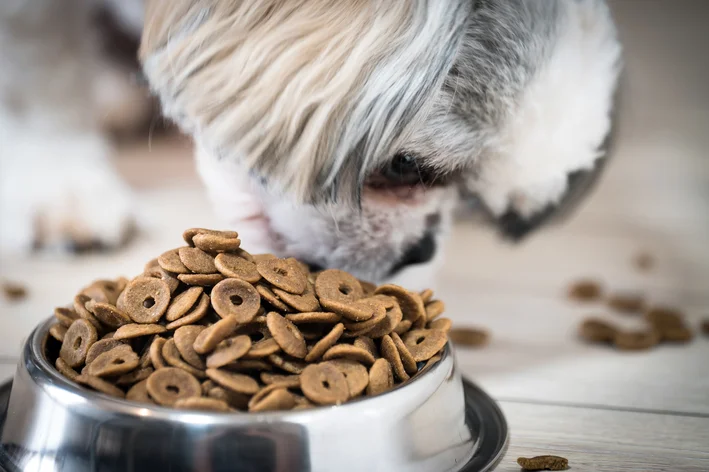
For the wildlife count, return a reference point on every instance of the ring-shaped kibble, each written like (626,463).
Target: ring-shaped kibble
(215,243)
(184,340)
(426,295)
(145,299)
(80,301)
(78,339)
(314,317)
(231,265)
(173,358)
(65,370)
(287,335)
(392,319)
(198,312)
(117,361)
(338,285)
(424,343)
(391,354)
(135,376)
(202,404)
(410,302)
(381,377)
(238,383)
(262,348)
(434,309)
(101,346)
(348,351)
(182,303)
(402,327)
(156,358)
(136,330)
(355,373)
(100,385)
(139,393)
(329,340)
(288,364)
(196,260)
(58,331)
(237,298)
(283,274)
(171,262)
(278,399)
(636,340)
(189,234)
(108,314)
(324,384)
(201,280)
(271,298)
(367,343)
(170,384)
(442,324)
(407,359)
(65,316)
(360,310)
(593,330)
(229,351)
(212,335)
(305,302)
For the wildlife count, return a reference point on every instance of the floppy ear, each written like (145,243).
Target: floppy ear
(306,94)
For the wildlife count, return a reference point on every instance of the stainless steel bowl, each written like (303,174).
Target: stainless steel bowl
(53,425)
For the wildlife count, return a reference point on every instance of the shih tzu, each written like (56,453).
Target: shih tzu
(345,132)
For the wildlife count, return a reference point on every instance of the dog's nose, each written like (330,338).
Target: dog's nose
(420,253)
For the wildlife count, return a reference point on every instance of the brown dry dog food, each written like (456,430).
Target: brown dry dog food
(669,324)
(636,340)
(597,331)
(705,327)
(543,463)
(626,302)
(14,291)
(465,337)
(585,291)
(210,327)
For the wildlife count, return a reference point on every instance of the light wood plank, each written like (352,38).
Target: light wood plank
(607,441)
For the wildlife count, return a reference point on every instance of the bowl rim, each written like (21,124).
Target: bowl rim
(56,385)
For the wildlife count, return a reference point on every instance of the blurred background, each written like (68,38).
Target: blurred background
(653,201)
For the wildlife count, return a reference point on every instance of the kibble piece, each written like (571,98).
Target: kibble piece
(355,373)
(365,327)
(202,280)
(182,303)
(626,302)
(543,463)
(426,295)
(644,261)
(160,273)
(392,320)
(636,340)
(329,340)
(596,331)
(425,343)
(65,370)
(211,336)
(77,341)
(189,234)
(262,348)
(283,274)
(80,301)
(275,400)
(669,324)
(171,262)
(118,361)
(100,385)
(442,324)
(381,377)
(270,378)
(14,291)
(586,291)
(231,265)
(145,300)
(139,392)
(403,327)
(287,335)
(367,343)
(135,376)
(196,260)
(202,403)
(407,359)
(391,354)
(57,331)
(168,385)
(234,297)
(324,384)
(270,297)
(409,302)
(135,330)
(434,309)
(108,314)
(156,353)
(192,316)
(348,351)
(173,358)
(229,351)
(337,285)
(235,382)
(185,337)
(359,310)
(467,337)
(305,302)
(216,243)
(314,317)
(294,366)
(65,316)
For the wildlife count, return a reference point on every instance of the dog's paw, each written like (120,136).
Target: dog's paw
(62,195)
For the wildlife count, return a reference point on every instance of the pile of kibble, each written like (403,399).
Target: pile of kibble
(209,326)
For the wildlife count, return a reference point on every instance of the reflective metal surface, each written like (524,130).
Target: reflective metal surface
(54,425)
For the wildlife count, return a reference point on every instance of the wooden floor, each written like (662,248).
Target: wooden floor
(604,410)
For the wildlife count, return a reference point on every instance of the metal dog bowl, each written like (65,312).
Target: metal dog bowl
(433,423)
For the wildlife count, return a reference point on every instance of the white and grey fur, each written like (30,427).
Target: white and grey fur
(299,107)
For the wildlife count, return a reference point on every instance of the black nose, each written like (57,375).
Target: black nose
(420,253)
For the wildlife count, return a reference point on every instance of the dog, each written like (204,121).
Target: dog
(346,133)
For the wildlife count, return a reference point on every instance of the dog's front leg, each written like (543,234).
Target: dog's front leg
(57,185)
